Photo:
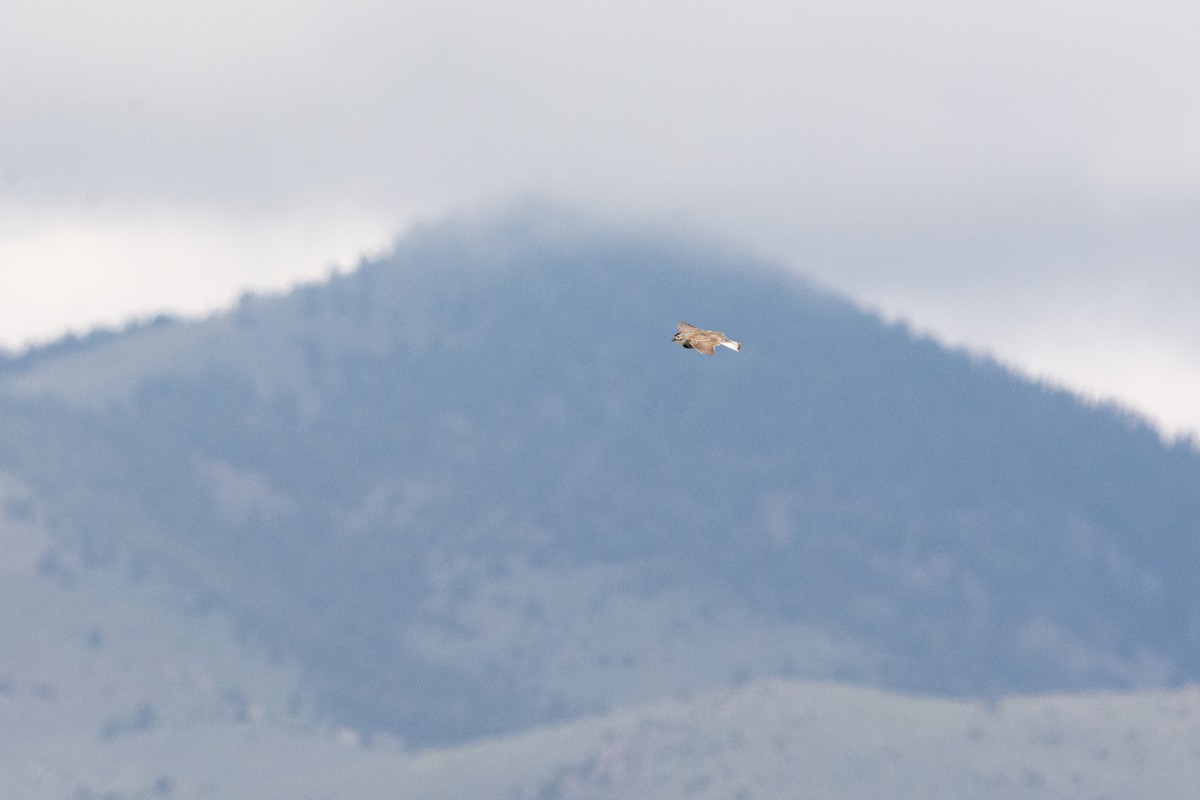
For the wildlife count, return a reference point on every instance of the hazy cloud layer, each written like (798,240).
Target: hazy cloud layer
(1017,176)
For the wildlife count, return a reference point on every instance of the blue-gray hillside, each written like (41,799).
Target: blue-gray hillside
(471,487)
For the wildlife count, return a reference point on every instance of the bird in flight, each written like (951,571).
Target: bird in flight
(693,338)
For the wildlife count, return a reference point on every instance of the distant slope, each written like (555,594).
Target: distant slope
(471,488)
(93,668)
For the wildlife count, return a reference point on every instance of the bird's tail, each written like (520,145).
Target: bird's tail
(731,344)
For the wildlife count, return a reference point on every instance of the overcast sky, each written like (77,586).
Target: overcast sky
(1022,177)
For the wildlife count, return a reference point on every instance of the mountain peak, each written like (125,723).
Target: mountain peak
(472,486)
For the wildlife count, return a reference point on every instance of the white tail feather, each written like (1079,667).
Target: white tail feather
(732,345)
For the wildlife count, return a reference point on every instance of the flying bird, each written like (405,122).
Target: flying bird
(700,340)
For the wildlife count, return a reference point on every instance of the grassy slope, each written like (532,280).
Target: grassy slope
(103,685)
(767,740)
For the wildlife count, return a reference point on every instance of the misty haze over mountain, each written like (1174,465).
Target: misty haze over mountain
(470,489)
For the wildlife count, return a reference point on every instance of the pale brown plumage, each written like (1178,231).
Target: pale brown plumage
(702,341)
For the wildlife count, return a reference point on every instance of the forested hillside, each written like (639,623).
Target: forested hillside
(471,487)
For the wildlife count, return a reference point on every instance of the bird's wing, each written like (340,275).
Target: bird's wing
(701,346)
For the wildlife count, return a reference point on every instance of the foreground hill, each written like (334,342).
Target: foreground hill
(471,488)
(770,739)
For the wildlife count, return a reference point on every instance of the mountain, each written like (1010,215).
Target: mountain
(470,489)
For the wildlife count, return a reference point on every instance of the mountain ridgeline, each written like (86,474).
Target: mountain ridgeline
(471,487)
